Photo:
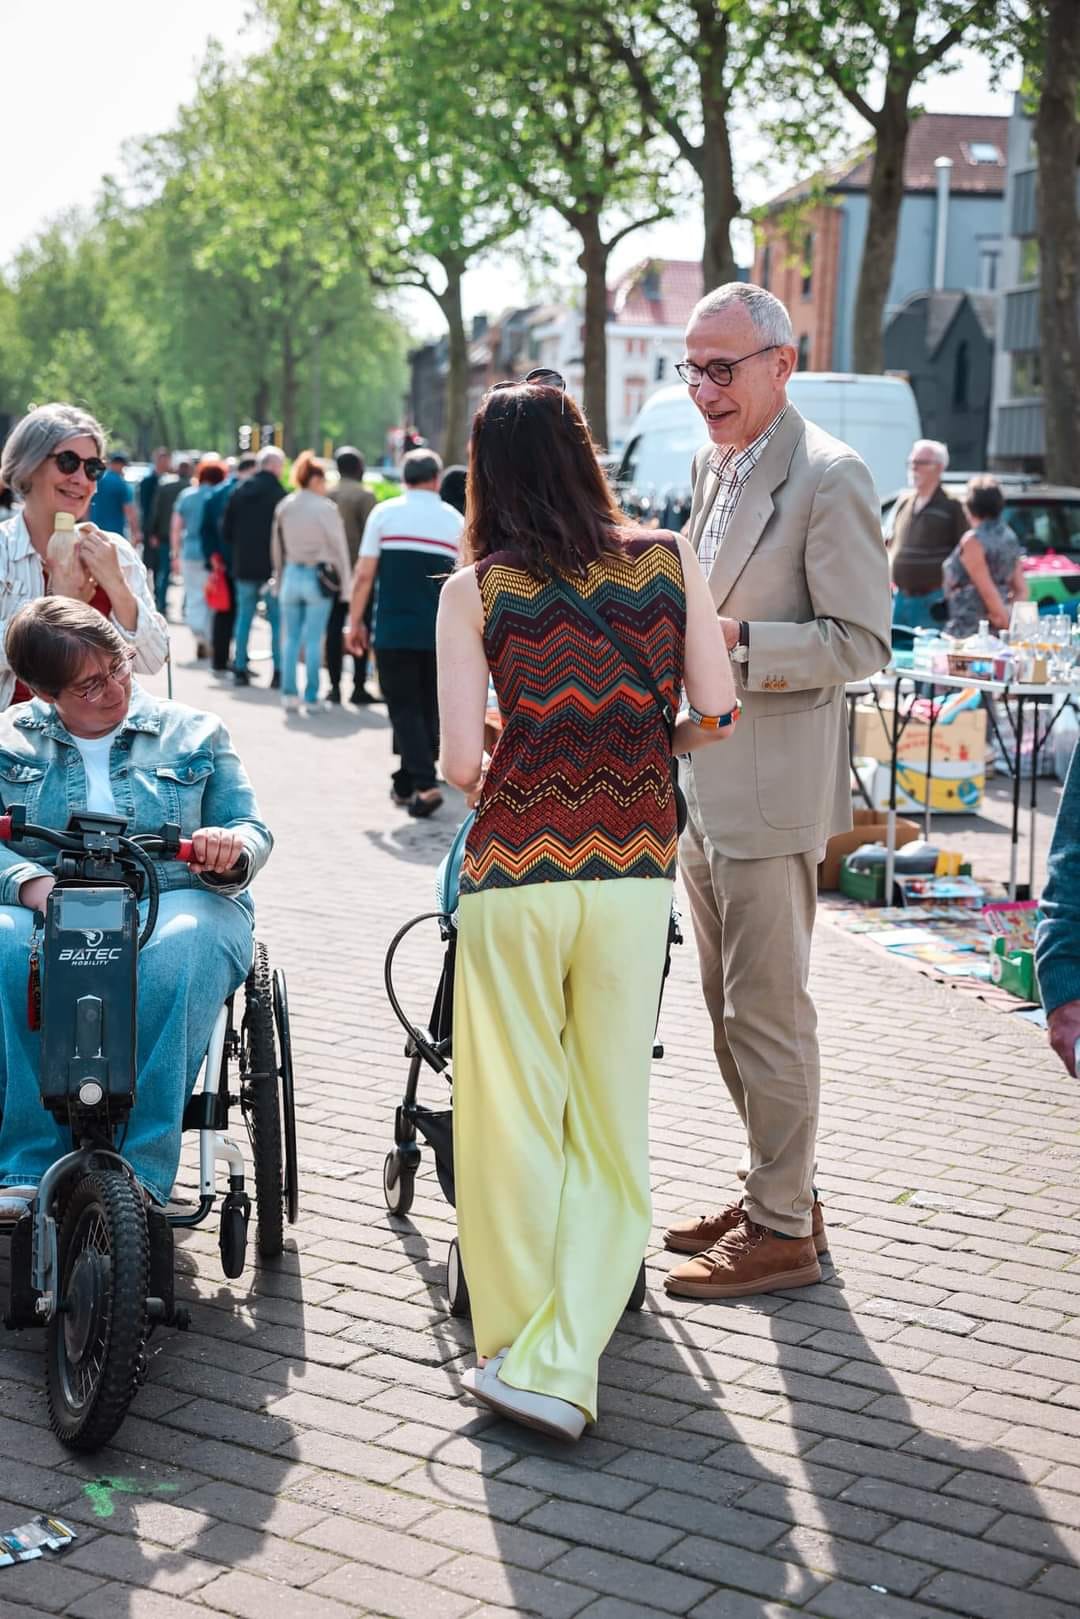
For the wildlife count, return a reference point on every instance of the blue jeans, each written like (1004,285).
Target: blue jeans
(248,592)
(198,954)
(306,612)
(917,612)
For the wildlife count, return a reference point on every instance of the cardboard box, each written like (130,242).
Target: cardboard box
(869,827)
(958,793)
(961,742)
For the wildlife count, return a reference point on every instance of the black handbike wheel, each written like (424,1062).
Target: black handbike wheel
(637,1296)
(260,1103)
(288,1095)
(95,1343)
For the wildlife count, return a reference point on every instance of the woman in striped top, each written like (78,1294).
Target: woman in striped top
(566,887)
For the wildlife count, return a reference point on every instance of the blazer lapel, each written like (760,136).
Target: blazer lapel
(755,506)
(709,487)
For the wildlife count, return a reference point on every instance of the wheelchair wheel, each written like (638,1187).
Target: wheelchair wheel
(637,1296)
(288,1095)
(95,1346)
(260,1104)
(398,1183)
(456,1286)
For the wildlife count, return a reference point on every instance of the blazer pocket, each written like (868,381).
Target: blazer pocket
(789,752)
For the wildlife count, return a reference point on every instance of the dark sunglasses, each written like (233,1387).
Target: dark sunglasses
(542,377)
(69,462)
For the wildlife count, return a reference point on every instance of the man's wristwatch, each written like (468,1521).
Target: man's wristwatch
(740,652)
(714,722)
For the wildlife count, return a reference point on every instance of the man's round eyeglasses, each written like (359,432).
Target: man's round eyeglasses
(68,462)
(119,670)
(719,371)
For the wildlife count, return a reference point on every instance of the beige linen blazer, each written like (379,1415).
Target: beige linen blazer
(804,562)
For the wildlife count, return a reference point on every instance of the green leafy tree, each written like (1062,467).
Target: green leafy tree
(562,120)
(847,47)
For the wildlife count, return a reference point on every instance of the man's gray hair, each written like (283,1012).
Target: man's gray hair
(934,448)
(270,455)
(770,319)
(421,466)
(34,439)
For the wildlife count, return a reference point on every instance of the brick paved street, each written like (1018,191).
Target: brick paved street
(899,1442)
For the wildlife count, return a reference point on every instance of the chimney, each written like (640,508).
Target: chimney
(943,165)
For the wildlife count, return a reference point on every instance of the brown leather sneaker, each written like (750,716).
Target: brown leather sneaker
(694,1236)
(749,1259)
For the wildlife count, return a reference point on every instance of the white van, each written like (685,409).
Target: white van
(876,415)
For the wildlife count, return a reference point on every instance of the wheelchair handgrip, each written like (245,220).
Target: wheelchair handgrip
(186,850)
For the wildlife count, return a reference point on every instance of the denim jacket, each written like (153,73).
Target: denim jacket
(169,763)
(1057,942)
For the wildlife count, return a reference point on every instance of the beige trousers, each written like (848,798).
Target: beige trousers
(753,921)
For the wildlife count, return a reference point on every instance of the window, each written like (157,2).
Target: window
(766,265)
(1029,259)
(960,378)
(988,268)
(634,390)
(984,152)
(808,265)
(1027,375)
(803,362)
(661,368)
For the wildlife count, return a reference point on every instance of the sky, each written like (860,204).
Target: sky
(130,64)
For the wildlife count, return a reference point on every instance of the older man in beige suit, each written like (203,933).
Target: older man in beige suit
(786,525)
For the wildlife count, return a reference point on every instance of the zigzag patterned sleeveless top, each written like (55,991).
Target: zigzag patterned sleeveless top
(579,785)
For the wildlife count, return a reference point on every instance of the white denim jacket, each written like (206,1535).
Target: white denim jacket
(22,580)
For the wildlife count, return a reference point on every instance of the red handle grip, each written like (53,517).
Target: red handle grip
(186,851)
(5,828)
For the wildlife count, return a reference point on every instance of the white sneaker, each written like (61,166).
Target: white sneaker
(470,1378)
(15,1200)
(291,705)
(544,1412)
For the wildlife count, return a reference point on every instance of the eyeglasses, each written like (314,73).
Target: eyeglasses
(718,371)
(926,462)
(69,462)
(119,671)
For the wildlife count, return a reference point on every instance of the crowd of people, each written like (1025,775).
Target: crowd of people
(619,657)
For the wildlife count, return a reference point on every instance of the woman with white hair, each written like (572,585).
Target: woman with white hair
(53,459)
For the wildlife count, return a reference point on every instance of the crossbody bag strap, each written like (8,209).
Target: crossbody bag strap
(601,623)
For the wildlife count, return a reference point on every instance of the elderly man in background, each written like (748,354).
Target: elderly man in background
(927,527)
(786,525)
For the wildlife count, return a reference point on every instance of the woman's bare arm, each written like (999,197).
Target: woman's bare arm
(463,681)
(707,672)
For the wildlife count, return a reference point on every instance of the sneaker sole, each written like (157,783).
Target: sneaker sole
(804,1277)
(688,1245)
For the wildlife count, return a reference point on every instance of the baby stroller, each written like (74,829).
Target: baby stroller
(433,1045)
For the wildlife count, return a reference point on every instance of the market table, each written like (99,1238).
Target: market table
(1019,694)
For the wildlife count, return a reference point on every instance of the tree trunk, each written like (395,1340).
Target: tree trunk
(882,225)
(262,402)
(720,202)
(457,382)
(290,386)
(593,260)
(1057,138)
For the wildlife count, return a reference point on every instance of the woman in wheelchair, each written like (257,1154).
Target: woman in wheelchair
(91,740)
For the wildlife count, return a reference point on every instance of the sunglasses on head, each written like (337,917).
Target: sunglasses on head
(69,462)
(542,377)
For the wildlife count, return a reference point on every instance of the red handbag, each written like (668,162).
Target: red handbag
(217,592)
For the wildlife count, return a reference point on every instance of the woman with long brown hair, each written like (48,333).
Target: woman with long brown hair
(586,627)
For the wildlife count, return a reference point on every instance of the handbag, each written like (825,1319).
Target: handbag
(328,579)
(217,592)
(667,713)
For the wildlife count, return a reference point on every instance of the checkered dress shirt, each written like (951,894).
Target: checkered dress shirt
(732,468)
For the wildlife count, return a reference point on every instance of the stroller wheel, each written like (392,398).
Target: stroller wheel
(637,1296)
(399,1180)
(456,1286)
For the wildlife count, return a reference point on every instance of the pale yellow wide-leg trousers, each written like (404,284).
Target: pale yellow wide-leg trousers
(555,999)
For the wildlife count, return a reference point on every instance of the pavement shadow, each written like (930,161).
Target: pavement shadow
(765,1448)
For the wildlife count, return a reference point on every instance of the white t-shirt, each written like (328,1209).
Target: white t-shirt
(95,752)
